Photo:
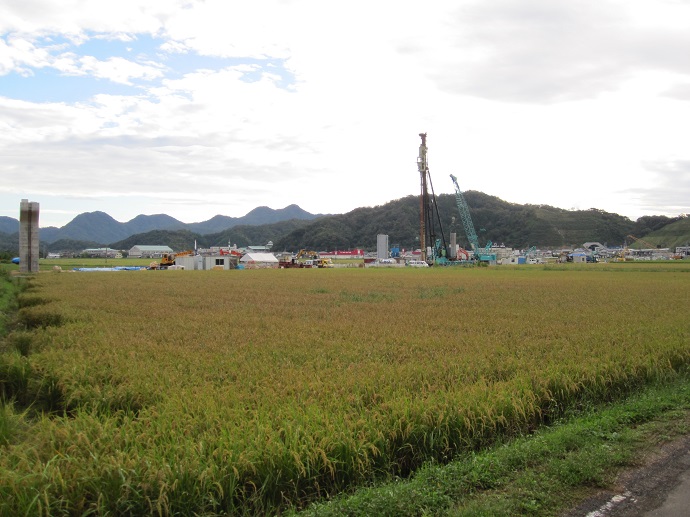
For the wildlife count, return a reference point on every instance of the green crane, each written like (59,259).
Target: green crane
(479,253)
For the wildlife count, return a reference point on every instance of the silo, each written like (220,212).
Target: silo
(28,236)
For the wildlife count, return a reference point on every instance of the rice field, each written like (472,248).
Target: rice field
(205,392)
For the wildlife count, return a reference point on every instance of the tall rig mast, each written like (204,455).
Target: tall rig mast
(428,210)
(423,167)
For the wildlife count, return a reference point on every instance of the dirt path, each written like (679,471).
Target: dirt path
(659,488)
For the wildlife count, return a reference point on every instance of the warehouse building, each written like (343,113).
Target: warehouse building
(101,253)
(145,251)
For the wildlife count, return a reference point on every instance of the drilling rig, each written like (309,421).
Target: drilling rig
(433,248)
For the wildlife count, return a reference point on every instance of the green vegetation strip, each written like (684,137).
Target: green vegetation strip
(543,474)
(7,297)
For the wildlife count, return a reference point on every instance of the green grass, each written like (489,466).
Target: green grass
(6,299)
(542,474)
(76,262)
(10,289)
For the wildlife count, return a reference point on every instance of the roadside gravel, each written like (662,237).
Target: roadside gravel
(660,487)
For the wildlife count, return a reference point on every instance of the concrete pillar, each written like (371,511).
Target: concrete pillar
(453,246)
(382,246)
(28,236)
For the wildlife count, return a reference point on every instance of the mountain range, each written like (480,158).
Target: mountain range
(100,227)
(291,228)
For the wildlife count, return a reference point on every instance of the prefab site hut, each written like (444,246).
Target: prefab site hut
(190,262)
(220,262)
(206,262)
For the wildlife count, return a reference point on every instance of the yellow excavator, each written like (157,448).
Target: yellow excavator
(306,259)
(168,259)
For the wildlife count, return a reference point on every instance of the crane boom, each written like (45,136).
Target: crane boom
(642,241)
(466,219)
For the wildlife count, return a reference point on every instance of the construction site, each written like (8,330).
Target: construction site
(436,246)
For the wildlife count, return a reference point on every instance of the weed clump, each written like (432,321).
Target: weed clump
(35,317)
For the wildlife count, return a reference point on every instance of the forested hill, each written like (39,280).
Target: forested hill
(516,226)
(241,235)
(511,224)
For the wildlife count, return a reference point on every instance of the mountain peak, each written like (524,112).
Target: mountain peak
(100,227)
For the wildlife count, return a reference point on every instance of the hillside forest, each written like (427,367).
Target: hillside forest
(290,229)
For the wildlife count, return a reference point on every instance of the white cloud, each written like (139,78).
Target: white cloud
(320,104)
(73,17)
(544,51)
(671,186)
(117,69)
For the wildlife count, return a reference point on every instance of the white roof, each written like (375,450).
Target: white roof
(142,247)
(259,257)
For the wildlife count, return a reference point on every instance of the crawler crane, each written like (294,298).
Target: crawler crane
(483,254)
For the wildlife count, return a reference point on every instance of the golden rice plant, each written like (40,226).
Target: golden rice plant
(252,391)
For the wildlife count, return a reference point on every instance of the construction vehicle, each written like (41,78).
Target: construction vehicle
(481,254)
(531,256)
(306,254)
(168,259)
(647,250)
(464,253)
(232,251)
(312,259)
(304,259)
(434,249)
(625,255)
(324,263)
(287,260)
(643,242)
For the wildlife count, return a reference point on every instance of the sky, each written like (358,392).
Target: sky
(195,108)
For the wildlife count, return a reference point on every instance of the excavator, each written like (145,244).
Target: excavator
(305,259)
(314,259)
(168,259)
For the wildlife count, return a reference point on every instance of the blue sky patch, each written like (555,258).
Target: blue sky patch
(48,84)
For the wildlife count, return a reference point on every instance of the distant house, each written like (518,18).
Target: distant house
(683,251)
(145,251)
(100,252)
(578,257)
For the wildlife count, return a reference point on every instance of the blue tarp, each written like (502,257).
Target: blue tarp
(117,268)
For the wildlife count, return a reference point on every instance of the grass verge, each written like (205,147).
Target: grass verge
(542,474)
(7,299)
